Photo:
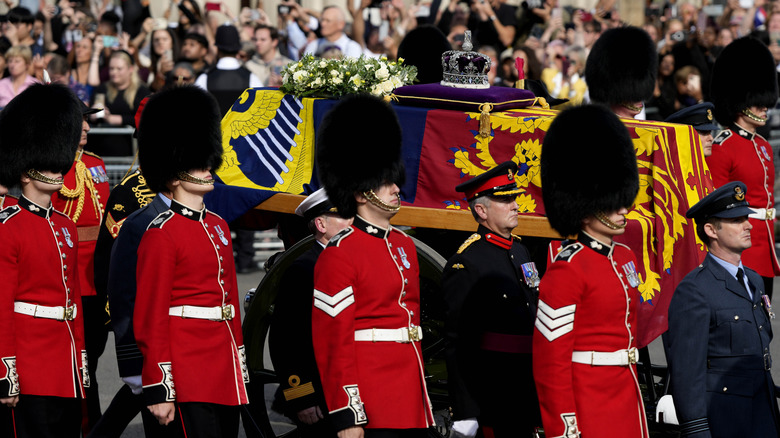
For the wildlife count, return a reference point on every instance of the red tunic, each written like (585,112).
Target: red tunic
(587,303)
(368,277)
(37,266)
(738,155)
(186,259)
(83,198)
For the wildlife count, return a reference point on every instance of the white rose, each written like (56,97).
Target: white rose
(300,76)
(376,90)
(334,73)
(336,81)
(382,73)
(387,86)
(323,64)
(316,82)
(396,81)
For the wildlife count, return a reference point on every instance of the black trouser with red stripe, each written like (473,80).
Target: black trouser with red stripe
(38,416)
(206,420)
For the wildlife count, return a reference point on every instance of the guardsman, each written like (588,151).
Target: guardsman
(43,371)
(621,70)
(700,117)
(584,349)
(738,152)
(366,316)
(290,341)
(720,328)
(490,288)
(83,198)
(185,318)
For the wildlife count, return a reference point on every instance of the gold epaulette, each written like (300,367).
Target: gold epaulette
(92,154)
(519,239)
(473,238)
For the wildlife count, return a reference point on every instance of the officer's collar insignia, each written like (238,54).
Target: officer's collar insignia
(157,220)
(67,237)
(119,207)
(458,266)
(369,228)
(404,259)
(221,234)
(709,115)
(739,195)
(594,244)
(498,240)
(35,208)
(631,275)
(530,274)
(187,212)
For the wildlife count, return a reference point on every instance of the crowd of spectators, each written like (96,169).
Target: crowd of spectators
(112,53)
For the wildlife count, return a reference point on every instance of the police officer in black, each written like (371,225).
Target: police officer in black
(720,328)
(490,290)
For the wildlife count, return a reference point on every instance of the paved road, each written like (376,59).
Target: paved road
(109,378)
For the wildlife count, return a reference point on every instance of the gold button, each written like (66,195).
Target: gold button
(736,317)
(725,389)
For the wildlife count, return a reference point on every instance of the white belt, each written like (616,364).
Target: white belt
(764,214)
(403,334)
(618,358)
(218,313)
(60,313)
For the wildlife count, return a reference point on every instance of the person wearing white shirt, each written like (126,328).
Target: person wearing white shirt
(332,22)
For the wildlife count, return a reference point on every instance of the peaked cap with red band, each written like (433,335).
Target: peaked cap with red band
(498,181)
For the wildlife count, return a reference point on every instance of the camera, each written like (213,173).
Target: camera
(678,36)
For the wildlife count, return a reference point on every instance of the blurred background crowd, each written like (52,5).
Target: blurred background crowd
(113,53)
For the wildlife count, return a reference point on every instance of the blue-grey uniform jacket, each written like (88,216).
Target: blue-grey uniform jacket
(719,355)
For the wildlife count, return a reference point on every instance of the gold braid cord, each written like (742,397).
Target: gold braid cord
(83,182)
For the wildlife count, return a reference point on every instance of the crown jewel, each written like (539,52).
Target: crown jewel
(465,69)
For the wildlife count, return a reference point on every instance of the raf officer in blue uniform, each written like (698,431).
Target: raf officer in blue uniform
(720,329)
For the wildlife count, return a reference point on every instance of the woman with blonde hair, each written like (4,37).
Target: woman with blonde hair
(18,60)
(120,98)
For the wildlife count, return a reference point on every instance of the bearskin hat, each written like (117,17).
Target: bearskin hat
(179,131)
(39,129)
(743,76)
(358,149)
(586,174)
(622,67)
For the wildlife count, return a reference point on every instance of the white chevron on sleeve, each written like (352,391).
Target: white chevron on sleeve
(333,305)
(554,323)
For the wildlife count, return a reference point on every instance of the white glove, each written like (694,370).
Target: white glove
(465,428)
(134,382)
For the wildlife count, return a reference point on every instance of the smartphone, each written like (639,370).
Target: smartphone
(110,41)
(283,10)
(212,6)
(160,23)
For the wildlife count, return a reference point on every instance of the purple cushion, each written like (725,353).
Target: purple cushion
(463,99)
